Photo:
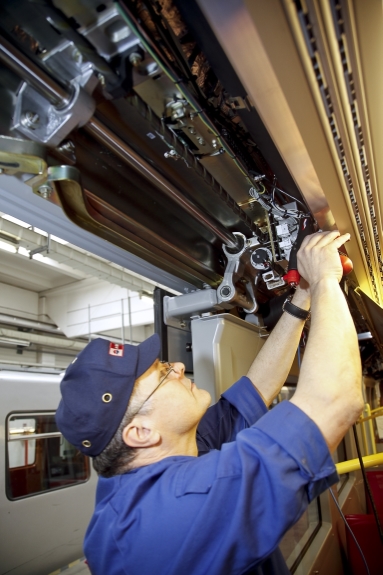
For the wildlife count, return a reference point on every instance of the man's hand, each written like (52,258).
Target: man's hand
(318,257)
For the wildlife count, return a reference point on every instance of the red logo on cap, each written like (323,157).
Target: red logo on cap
(116,349)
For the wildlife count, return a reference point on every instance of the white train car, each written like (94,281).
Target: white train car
(47,487)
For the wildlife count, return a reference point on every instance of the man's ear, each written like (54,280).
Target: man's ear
(138,433)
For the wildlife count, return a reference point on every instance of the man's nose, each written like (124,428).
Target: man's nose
(179,367)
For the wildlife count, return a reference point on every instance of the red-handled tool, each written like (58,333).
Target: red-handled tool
(306,227)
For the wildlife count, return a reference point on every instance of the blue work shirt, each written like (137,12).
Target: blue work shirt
(220,514)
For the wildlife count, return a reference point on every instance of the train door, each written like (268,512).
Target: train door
(47,488)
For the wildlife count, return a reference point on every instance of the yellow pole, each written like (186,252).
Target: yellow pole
(370,428)
(374,413)
(353,464)
(364,437)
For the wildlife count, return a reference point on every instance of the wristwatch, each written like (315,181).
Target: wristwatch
(294,310)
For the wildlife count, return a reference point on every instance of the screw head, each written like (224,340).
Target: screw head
(67,146)
(135,58)
(30,119)
(225,291)
(45,191)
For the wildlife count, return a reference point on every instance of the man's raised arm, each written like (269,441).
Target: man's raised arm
(329,385)
(271,367)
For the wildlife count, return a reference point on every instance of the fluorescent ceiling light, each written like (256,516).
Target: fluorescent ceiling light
(48,261)
(40,258)
(38,231)
(15,221)
(59,240)
(7,247)
(55,238)
(23,251)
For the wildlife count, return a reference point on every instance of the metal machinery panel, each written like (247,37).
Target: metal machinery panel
(224,347)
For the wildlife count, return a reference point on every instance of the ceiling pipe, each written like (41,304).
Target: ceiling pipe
(47,341)
(30,324)
(33,74)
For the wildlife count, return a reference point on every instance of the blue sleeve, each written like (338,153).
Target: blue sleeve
(258,486)
(239,407)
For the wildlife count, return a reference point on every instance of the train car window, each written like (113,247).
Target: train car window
(298,539)
(39,459)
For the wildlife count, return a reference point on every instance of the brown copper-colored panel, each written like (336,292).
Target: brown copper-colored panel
(96,216)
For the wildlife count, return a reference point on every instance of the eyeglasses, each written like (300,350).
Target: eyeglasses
(169,368)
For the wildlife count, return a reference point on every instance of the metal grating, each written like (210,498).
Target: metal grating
(311,44)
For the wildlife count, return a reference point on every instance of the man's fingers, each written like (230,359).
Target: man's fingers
(321,239)
(338,242)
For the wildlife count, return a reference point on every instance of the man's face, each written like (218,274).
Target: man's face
(178,404)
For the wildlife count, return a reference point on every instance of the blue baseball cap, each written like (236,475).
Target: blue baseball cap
(96,390)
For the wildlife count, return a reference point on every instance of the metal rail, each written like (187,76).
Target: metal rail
(126,153)
(33,74)
(57,95)
(354,464)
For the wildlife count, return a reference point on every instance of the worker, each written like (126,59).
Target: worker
(162,510)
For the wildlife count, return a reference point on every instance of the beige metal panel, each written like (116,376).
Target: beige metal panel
(364,30)
(336,42)
(268,59)
(224,347)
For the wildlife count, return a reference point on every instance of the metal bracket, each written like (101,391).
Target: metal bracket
(42,122)
(227,292)
(41,249)
(178,310)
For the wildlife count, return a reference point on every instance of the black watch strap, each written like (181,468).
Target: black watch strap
(295,311)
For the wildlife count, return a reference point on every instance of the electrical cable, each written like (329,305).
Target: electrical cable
(286,194)
(368,488)
(350,530)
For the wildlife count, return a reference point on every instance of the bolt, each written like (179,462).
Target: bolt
(172,154)
(182,323)
(67,146)
(201,141)
(225,291)
(30,120)
(45,191)
(135,59)
(214,143)
(192,130)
